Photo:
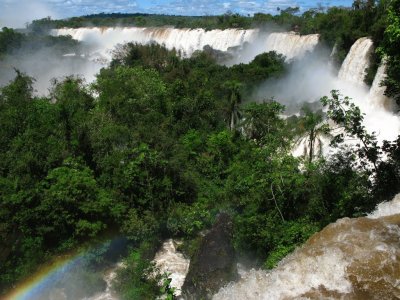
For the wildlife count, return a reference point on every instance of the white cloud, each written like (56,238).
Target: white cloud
(18,13)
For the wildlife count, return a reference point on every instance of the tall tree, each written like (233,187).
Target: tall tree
(314,130)
(234,100)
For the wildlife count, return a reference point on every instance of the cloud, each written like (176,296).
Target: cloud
(213,7)
(17,13)
(208,7)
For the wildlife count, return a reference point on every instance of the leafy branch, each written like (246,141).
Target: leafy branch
(349,117)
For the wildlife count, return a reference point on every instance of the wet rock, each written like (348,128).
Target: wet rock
(213,265)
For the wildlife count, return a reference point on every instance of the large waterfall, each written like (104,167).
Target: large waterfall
(349,259)
(357,60)
(290,44)
(372,102)
(187,41)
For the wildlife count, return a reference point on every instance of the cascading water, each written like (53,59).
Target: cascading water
(350,259)
(372,102)
(316,83)
(290,44)
(187,41)
(169,260)
(356,61)
(377,91)
(109,277)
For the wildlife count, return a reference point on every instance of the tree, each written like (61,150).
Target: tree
(132,95)
(387,179)
(314,130)
(74,102)
(73,204)
(262,123)
(390,51)
(349,117)
(15,102)
(9,40)
(234,100)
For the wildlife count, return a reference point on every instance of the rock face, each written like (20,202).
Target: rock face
(213,265)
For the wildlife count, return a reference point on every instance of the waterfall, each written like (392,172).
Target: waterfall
(356,61)
(169,260)
(377,92)
(290,44)
(377,89)
(373,102)
(109,277)
(350,259)
(187,41)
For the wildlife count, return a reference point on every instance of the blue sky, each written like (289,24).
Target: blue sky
(15,13)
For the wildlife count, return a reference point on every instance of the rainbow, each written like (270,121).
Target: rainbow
(39,285)
(34,287)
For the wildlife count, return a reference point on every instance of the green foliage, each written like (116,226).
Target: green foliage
(388,172)
(159,144)
(227,20)
(139,228)
(133,96)
(9,40)
(166,290)
(262,123)
(312,129)
(389,51)
(138,278)
(348,115)
(188,220)
(152,56)
(234,100)
(370,156)
(13,42)
(286,237)
(73,203)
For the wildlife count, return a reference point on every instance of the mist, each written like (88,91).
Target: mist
(310,76)
(305,81)
(47,64)
(16,14)
(314,76)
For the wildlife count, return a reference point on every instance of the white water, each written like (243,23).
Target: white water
(349,259)
(169,260)
(313,83)
(385,209)
(377,91)
(356,61)
(109,277)
(379,116)
(187,41)
(290,44)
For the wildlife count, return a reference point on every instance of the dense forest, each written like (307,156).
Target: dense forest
(158,146)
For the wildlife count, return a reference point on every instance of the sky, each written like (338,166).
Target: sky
(16,13)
